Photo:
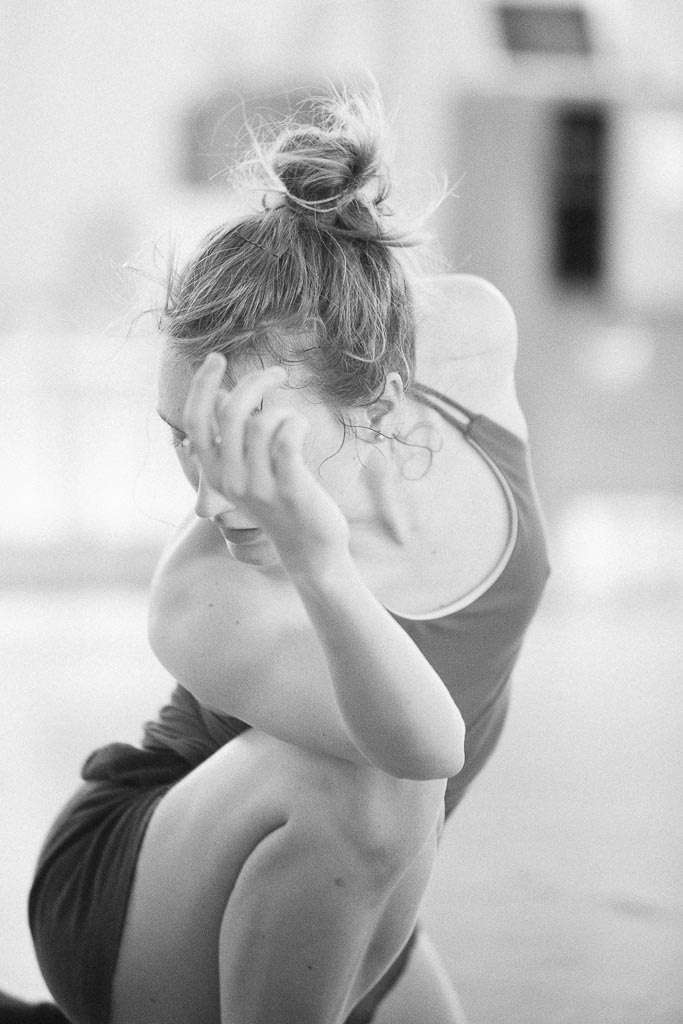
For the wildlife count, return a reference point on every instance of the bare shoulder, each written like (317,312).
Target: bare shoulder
(467,345)
(196,573)
(467,316)
(242,643)
(194,576)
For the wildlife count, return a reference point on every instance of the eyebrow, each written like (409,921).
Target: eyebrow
(168,423)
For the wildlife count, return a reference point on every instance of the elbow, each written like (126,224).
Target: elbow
(447,765)
(432,761)
(447,753)
(455,762)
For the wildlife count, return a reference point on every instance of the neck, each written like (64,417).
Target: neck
(385,512)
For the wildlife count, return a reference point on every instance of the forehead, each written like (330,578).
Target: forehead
(174,377)
(176,371)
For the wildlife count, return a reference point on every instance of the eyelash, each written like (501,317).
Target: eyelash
(177,440)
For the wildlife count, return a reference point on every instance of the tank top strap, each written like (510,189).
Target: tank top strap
(455,413)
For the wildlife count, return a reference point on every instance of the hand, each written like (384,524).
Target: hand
(259,465)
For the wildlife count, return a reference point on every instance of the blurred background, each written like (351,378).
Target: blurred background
(558,896)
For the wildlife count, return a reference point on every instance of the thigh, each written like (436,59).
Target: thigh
(226,813)
(389,954)
(424,992)
(198,838)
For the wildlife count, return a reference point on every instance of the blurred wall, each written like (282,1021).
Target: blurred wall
(93,94)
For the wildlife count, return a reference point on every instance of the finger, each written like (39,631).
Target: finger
(260,434)
(287,450)
(199,416)
(234,415)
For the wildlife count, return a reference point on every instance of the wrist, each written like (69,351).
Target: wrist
(324,573)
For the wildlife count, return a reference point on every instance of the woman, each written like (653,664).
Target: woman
(342,613)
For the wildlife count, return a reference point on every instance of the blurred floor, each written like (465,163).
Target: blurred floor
(558,896)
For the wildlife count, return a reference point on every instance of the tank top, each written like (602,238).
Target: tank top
(473,643)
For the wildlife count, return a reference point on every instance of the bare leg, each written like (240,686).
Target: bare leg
(273,886)
(424,992)
(319,954)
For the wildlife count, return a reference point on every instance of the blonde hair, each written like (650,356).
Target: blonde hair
(312,277)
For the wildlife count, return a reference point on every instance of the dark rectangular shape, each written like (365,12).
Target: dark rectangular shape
(578,193)
(545,28)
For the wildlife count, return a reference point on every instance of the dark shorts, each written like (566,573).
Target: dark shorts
(80,894)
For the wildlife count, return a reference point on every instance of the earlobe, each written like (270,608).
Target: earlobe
(378,412)
(375,435)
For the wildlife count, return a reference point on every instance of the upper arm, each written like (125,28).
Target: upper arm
(489,320)
(467,318)
(246,661)
(467,346)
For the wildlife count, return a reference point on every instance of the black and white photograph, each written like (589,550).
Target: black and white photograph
(341,530)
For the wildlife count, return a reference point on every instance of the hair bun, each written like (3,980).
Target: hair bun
(333,170)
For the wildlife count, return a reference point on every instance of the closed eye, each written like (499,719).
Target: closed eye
(178,436)
(177,439)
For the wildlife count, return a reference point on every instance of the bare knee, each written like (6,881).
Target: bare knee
(375,821)
(381,822)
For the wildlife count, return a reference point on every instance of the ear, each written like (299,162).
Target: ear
(383,414)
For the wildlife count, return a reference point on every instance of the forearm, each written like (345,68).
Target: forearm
(396,708)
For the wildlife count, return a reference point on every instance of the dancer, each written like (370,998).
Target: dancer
(342,612)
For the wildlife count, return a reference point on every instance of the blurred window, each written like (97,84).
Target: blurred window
(541,28)
(578,193)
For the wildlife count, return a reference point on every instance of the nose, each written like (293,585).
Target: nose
(210,503)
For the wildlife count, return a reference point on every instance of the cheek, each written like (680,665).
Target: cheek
(322,455)
(325,441)
(334,464)
(188,466)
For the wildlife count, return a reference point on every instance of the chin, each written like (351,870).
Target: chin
(261,553)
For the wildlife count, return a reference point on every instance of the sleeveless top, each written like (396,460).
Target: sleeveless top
(472,644)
